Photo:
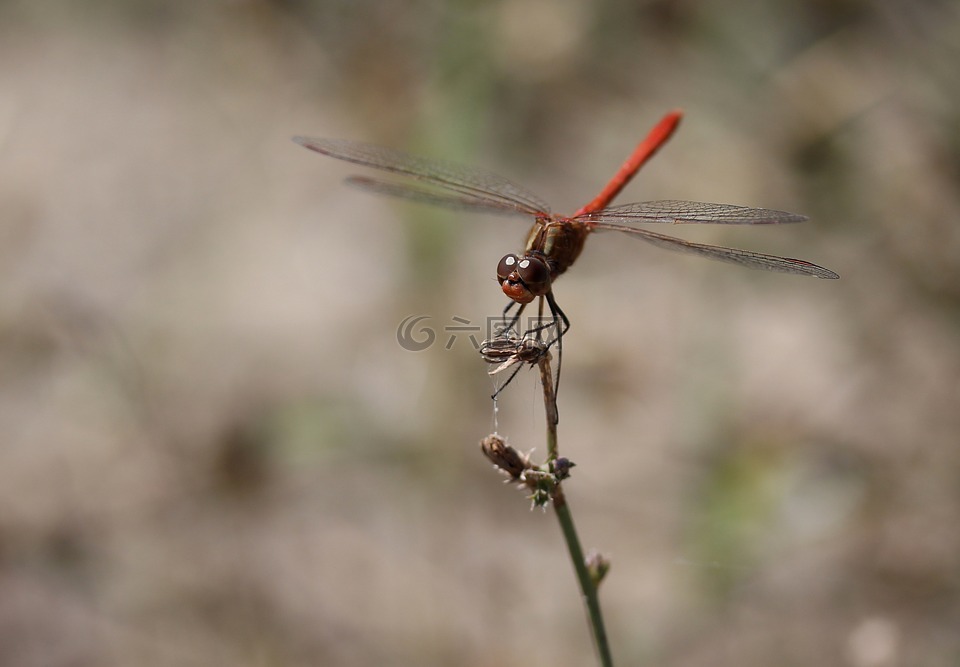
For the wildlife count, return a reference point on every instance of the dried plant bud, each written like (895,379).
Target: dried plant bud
(597,565)
(504,457)
(508,350)
(560,467)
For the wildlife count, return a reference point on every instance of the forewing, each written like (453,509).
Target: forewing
(469,181)
(425,196)
(691,212)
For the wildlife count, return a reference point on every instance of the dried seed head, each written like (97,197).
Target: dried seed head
(508,350)
(504,457)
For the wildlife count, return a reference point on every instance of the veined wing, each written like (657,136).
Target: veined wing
(424,196)
(687,212)
(753,260)
(472,182)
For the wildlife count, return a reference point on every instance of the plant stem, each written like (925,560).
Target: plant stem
(588,587)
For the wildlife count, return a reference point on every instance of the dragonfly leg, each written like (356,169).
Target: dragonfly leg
(515,318)
(509,380)
(542,323)
(562,325)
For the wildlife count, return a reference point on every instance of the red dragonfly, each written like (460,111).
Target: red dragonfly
(555,241)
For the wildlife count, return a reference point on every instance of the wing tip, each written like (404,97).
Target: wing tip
(308,142)
(817,271)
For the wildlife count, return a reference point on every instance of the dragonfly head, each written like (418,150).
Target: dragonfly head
(523,278)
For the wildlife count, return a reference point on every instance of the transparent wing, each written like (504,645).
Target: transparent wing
(753,260)
(477,184)
(673,211)
(425,196)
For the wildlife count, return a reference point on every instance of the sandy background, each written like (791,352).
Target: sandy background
(213,450)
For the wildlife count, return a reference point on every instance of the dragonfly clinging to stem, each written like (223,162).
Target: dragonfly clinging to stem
(555,241)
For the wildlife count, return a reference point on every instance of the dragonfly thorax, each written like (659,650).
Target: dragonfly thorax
(523,278)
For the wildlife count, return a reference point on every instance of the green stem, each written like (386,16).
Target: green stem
(588,587)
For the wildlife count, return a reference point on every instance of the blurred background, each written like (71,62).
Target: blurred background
(214,450)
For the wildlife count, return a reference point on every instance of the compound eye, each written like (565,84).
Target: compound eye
(534,274)
(507,266)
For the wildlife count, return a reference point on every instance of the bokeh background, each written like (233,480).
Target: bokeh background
(214,451)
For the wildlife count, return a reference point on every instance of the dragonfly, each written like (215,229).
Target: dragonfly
(555,241)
